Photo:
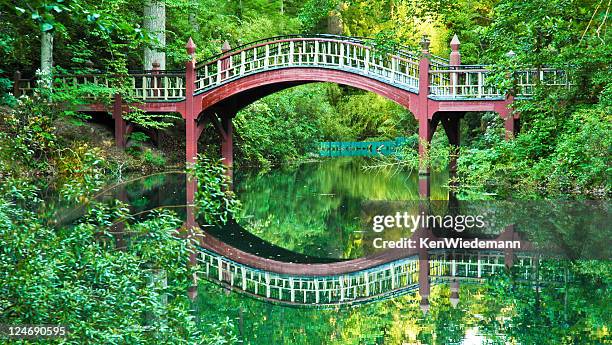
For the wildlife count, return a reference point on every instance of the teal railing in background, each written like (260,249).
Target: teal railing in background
(361,148)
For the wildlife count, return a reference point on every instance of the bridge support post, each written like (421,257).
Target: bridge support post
(227,144)
(508,234)
(426,126)
(451,123)
(512,126)
(188,227)
(424,284)
(191,126)
(120,123)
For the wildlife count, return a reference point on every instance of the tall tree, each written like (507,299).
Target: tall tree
(155,24)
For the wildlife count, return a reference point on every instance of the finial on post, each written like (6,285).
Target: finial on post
(226,47)
(425,44)
(455,56)
(191,47)
(156,65)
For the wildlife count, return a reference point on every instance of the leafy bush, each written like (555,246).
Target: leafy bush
(82,277)
(214,199)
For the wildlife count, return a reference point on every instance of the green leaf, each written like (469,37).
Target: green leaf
(19,9)
(46,27)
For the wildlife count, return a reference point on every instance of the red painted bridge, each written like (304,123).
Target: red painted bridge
(434,89)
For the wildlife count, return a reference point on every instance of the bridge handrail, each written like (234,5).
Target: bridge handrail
(380,281)
(400,49)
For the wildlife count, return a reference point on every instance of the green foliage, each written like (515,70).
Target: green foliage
(29,128)
(284,126)
(94,277)
(154,159)
(564,152)
(214,199)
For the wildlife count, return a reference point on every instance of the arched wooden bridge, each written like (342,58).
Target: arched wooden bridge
(434,89)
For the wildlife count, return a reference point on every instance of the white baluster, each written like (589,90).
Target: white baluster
(291,52)
(480,84)
(479,266)
(242,62)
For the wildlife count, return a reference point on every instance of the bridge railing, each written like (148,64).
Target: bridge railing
(473,82)
(377,282)
(397,69)
(389,279)
(527,81)
(463,82)
(146,86)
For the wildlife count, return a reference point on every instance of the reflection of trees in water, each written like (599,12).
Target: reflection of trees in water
(315,208)
(503,310)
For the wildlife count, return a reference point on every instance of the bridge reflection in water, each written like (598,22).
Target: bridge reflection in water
(384,275)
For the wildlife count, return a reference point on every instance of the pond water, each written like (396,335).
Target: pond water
(317,208)
(314,213)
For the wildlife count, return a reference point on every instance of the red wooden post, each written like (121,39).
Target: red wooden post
(510,122)
(188,228)
(120,123)
(425,128)
(225,63)
(16,82)
(454,296)
(227,145)
(451,123)
(455,55)
(454,60)
(424,284)
(155,79)
(191,138)
(508,235)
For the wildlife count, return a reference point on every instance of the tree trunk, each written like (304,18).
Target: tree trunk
(155,24)
(193,18)
(46,57)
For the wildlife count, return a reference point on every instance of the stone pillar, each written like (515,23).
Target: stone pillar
(191,137)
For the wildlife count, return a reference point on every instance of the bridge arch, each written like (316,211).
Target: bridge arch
(240,92)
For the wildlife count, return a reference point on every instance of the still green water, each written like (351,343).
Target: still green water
(316,209)
(314,213)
